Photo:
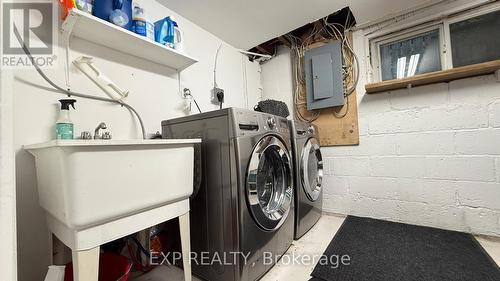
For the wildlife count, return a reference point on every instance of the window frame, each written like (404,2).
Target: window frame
(402,35)
(375,40)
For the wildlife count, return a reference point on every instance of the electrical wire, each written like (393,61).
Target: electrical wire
(350,65)
(215,76)
(186,92)
(197,106)
(215,65)
(69,92)
(346,106)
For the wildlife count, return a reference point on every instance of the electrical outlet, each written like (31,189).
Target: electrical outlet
(216,93)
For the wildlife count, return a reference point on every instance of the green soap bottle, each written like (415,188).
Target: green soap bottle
(64,126)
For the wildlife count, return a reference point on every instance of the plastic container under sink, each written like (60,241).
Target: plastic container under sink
(112,267)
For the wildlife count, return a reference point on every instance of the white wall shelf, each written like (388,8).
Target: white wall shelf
(96,30)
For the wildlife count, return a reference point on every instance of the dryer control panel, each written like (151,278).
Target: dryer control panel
(305,130)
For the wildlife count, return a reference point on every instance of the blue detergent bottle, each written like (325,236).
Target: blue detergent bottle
(118,12)
(165,32)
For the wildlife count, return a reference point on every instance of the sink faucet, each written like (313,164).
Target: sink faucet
(103,126)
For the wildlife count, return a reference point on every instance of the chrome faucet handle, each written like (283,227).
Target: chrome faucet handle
(106,136)
(101,125)
(85,135)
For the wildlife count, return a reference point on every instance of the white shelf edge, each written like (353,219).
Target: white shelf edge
(75,16)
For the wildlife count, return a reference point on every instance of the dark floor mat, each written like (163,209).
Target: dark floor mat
(387,251)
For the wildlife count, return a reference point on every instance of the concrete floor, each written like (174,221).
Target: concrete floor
(313,243)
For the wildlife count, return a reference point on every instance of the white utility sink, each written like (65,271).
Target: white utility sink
(82,183)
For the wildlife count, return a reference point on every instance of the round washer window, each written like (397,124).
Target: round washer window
(311,169)
(269,187)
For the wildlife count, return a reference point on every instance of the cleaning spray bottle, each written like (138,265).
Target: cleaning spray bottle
(64,126)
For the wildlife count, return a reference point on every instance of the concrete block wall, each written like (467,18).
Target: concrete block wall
(427,156)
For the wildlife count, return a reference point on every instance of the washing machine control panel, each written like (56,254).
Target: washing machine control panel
(271,122)
(259,123)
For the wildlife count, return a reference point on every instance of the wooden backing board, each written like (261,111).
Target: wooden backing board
(334,131)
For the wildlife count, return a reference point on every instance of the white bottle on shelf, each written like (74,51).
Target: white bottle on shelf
(140,22)
(178,37)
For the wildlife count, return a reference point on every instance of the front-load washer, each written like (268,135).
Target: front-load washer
(245,202)
(308,175)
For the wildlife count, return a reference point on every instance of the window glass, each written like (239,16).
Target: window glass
(475,40)
(410,56)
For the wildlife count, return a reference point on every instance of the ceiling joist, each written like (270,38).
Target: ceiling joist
(342,18)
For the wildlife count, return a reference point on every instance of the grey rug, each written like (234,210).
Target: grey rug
(387,251)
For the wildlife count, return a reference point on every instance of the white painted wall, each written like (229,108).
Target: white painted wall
(429,156)
(154,93)
(8,243)
(252,78)
(7,181)
(277,81)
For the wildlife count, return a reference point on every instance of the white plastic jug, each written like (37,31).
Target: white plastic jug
(178,39)
(55,273)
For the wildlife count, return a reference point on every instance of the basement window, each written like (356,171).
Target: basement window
(409,56)
(465,39)
(475,40)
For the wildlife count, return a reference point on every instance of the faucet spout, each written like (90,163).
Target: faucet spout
(103,126)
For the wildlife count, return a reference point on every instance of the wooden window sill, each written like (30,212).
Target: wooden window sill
(434,77)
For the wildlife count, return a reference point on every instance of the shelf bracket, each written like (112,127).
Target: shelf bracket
(497,75)
(66,30)
(66,64)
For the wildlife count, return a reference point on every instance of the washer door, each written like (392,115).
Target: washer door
(311,169)
(269,189)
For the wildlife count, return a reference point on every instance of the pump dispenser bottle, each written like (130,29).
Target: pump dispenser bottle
(64,126)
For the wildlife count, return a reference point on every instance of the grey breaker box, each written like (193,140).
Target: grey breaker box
(324,81)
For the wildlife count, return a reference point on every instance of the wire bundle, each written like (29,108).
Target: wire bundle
(350,65)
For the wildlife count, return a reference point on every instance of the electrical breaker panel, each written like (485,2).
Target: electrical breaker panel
(324,80)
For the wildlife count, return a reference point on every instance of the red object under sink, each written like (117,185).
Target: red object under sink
(112,267)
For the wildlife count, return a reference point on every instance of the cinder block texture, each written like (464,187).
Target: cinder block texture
(427,156)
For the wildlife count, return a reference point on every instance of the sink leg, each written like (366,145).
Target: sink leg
(186,245)
(86,265)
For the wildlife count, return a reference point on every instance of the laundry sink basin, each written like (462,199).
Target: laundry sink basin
(87,182)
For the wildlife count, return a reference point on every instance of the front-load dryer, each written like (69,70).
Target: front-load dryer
(308,166)
(245,203)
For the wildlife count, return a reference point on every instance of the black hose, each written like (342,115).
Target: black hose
(71,93)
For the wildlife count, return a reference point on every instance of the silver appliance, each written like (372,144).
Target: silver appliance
(308,176)
(245,200)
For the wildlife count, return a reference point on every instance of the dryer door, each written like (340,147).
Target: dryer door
(269,183)
(311,169)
